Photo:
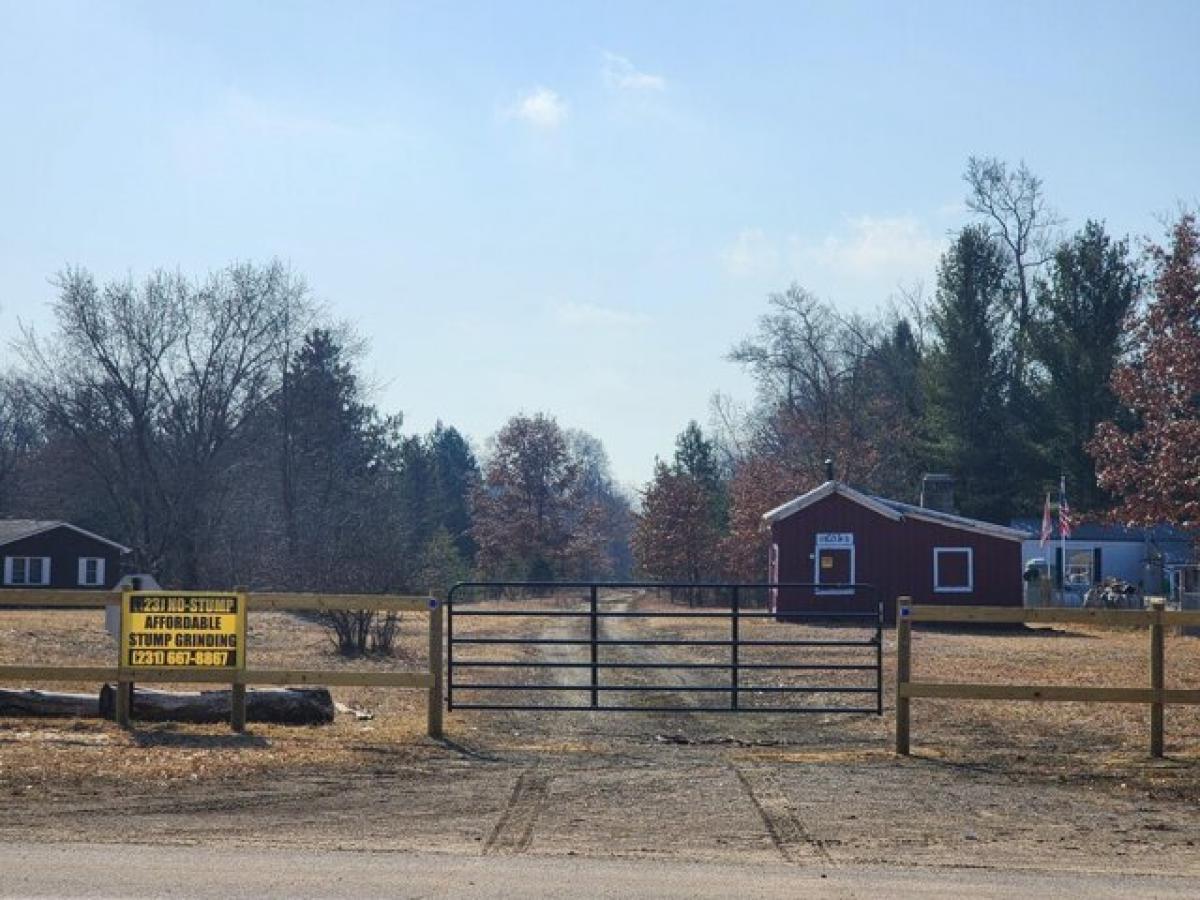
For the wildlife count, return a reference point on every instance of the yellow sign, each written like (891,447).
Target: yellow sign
(826,561)
(183,629)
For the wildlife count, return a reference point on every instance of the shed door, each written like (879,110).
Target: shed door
(834,563)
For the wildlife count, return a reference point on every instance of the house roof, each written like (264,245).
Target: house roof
(891,509)
(1177,545)
(17,529)
(1099,531)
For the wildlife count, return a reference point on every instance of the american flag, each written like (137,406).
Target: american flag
(1064,511)
(1047,525)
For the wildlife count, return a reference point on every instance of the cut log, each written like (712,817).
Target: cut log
(281,706)
(49,703)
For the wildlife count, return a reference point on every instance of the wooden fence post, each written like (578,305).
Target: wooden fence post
(434,712)
(237,691)
(903,672)
(1157,678)
(237,706)
(123,705)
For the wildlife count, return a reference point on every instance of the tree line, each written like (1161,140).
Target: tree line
(1038,355)
(222,430)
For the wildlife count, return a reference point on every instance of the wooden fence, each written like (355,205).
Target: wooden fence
(1155,694)
(429,680)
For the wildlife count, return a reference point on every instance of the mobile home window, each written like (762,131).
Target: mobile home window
(27,570)
(91,571)
(953,570)
(1081,567)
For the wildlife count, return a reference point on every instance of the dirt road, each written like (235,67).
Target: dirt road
(715,801)
(36,870)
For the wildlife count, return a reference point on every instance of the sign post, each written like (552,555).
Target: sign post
(201,630)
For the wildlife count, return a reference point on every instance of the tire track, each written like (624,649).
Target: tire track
(791,838)
(514,830)
(667,679)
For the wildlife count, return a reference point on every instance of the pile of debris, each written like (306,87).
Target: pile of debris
(1113,593)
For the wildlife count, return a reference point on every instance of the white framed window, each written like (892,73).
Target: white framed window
(33,571)
(91,571)
(833,563)
(953,570)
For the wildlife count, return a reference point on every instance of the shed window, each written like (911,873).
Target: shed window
(27,570)
(953,570)
(91,571)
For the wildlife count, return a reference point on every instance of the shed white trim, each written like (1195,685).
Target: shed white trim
(820,493)
(833,585)
(950,520)
(940,588)
(893,510)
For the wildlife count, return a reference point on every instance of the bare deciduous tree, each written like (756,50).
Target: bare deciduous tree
(19,434)
(817,376)
(155,384)
(1013,206)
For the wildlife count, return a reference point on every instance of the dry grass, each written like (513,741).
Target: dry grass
(64,753)
(1107,740)
(1063,740)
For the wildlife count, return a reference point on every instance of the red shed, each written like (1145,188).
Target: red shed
(835,536)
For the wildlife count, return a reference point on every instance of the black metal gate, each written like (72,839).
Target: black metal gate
(832,637)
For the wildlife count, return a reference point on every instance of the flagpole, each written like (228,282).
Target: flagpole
(1062,536)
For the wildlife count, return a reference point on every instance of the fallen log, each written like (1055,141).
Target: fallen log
(49,703)
(280,706)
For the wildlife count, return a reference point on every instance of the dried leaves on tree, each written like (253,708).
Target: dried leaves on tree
(1153,466)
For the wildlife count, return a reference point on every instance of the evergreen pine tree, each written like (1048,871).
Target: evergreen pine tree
(966,418)
(1077,338)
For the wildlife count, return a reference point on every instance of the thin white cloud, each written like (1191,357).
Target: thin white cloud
(858,264)
(540,107)
(752,253)
(590,315)
(871,246)
(621,73)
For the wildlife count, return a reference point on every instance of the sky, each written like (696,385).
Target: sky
(569,208)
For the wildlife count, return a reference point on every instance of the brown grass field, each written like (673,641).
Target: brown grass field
(1072,736)
(35,750)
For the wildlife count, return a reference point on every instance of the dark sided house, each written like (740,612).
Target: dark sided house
(45,554)
(835,536)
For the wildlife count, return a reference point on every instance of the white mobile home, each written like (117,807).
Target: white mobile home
(1144,557)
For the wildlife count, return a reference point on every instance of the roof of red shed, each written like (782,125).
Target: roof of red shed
(890,509)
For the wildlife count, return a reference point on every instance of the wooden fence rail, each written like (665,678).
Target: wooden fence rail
(1155,693)
(429,680)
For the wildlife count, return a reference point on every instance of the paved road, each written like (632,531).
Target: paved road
(99,870)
